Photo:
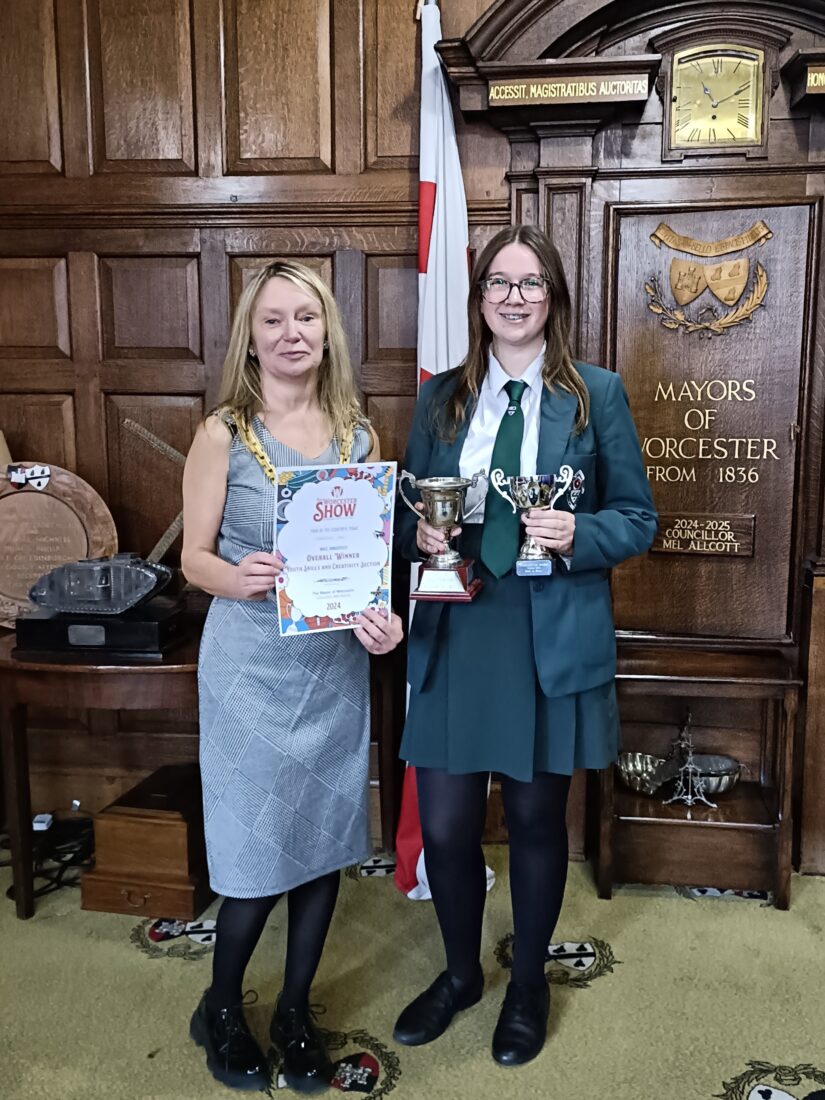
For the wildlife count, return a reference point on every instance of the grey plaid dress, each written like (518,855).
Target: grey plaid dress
(284,722)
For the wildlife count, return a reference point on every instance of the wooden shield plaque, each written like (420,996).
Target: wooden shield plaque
(46,522)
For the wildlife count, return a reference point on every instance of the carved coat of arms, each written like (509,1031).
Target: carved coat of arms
(727,281)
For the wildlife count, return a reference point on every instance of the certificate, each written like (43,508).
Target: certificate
(333,528)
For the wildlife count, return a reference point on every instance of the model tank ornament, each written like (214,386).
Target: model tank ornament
(100,586)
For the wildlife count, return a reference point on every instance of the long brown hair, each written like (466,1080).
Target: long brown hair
(241,383)
(558,369)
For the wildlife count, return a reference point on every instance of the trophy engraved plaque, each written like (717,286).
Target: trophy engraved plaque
(527,491)
(48,516)
(444,576)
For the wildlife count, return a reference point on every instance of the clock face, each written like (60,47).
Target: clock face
(716,93)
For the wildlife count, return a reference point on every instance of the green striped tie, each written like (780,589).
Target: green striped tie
(500,534)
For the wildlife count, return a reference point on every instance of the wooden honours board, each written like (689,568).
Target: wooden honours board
(47,518)
(712,363)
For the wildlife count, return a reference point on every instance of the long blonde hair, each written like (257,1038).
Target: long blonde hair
(558,369)
(241,393)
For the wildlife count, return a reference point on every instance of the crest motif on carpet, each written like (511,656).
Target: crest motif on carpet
(174,939)
(370,1068)
(570,962)
(765,1081)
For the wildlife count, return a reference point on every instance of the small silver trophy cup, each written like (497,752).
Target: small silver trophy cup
(444,576)
(527,491)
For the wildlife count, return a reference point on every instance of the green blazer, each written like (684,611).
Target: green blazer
(573,634)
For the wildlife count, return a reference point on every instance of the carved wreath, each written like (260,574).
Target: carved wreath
(679,318)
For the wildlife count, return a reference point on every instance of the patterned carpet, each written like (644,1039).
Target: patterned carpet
(659,993)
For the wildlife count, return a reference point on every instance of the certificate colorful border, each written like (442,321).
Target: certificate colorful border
(289,479)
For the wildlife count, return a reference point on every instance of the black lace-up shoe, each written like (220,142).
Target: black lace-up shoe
(306,1065)
(232,1055)
(522,1024)
(431,1013)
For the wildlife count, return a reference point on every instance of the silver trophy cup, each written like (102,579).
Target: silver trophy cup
(443,500)
(526,491)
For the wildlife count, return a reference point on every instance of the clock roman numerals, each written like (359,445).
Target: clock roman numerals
(716,97)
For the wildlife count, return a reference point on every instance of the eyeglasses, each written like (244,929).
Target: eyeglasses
(497,289)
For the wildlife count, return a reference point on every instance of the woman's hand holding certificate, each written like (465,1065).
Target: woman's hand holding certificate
(255,575)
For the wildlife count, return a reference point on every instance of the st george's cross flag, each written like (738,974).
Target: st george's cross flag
(443,286)
(443,237)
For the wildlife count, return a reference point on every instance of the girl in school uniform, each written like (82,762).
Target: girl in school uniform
(521,680)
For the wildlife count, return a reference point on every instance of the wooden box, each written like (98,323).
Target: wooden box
(150,857)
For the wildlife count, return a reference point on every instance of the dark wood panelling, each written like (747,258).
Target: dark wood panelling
(391,417)
(392,308)
(208,69)
(30,131)
(144,483)
(563,213)
(84,303)
(150,307)
(34,308)
(388,372)
(812,777)
(278,86)
(39,427)
(140,61)
(391,71)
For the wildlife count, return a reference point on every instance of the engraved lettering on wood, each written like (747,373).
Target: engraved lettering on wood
(704,533)
(605,89)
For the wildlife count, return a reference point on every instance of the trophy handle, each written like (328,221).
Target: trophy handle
(565,476)
(480,476)
(407,476)
(498,479)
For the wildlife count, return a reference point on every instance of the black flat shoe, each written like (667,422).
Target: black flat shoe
(306,1065)
(232,1055)
(431,1013)
(522,1024)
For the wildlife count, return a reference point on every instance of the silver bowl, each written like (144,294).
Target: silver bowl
(719,773)
(637,769)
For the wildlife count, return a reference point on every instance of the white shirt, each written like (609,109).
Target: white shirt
(477,451)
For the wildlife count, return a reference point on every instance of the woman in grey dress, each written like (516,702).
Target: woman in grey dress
(284,722)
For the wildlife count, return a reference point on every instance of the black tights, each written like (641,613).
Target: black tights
(453,811)
(240,924)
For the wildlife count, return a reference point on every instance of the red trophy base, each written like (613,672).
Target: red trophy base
(455,585)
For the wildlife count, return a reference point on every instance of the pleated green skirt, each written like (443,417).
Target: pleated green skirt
(482,707)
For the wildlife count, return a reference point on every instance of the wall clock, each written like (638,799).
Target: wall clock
(716,97)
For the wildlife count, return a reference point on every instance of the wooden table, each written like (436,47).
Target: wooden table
(168,685)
